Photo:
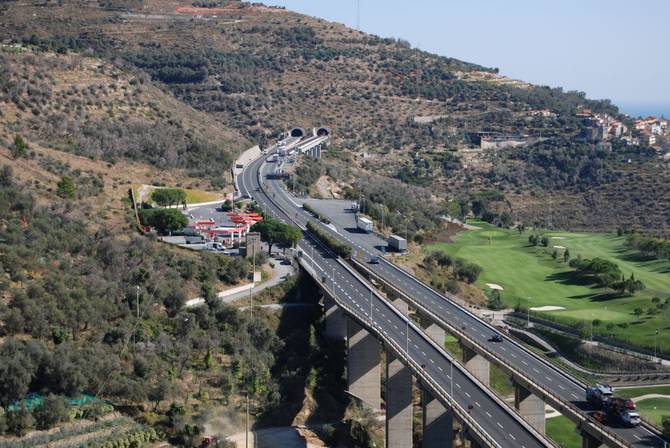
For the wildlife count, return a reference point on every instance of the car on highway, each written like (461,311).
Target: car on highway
(375,260)
(496,338)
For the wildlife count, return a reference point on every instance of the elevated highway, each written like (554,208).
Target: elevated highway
(534,376)
(489,421)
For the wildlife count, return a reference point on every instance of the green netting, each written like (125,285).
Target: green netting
(34,400)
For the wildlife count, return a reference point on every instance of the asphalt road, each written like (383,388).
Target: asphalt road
(538,371)
(428,360)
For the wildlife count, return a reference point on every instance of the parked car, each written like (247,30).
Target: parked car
(375,260)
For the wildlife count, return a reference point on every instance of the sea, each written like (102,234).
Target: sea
(644,109)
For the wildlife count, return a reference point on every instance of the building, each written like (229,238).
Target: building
(253,244)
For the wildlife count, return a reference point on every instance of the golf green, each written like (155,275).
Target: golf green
(531,277)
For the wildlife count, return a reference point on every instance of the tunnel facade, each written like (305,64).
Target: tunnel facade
(297,132)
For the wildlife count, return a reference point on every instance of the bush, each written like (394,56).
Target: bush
(52,411)
(19,421)
(340,249)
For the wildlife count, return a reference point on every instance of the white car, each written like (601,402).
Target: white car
(630,418)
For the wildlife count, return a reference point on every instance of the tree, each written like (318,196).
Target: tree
(544,241)
(159,391)
(19,421)
(494,300)
(566,255)
(66,188)
(666,425)
(167,197)
(19,148)
(52,411)
(164,221)
(554,254)
(637,312)
(276,232)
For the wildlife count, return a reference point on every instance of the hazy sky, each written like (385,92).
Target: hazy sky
(614,49)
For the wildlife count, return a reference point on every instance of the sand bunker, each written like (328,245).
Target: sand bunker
(557,237)
(547,308)
(494,286)
(559,247)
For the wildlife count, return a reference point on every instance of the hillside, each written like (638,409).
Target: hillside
(395,111)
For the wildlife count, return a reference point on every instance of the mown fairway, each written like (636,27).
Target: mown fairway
(531,277)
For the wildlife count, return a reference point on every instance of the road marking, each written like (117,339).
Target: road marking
(501,426)
(469,396)
(513,438)
(487,413)
(478,405)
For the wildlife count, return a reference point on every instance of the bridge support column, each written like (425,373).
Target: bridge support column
(476,365)
(433,330)
(588,441)
(363,374)
(530,406)
(398,396)
(335,320)
(438,423)
(398,403)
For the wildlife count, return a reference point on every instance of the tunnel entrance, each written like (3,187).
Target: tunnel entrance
(322,132)
(297,132)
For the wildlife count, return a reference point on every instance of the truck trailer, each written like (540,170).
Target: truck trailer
(397,243)
(364,224)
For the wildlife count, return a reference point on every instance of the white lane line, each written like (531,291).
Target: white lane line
(487,413)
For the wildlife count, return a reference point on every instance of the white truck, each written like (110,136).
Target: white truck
(365,224)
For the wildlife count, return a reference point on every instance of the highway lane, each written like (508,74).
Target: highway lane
(517,357)
(502,424)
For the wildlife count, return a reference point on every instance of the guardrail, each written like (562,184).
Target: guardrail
(557,402)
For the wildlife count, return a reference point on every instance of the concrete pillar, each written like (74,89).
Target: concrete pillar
(433,330)
(438,423)
(476,364)
(363,374)
(436,333)
(531,407)
(588,441)
(335,320)
(398,403)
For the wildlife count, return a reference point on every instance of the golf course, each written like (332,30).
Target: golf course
(530,277)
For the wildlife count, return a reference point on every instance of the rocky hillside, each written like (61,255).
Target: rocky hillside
(395,111)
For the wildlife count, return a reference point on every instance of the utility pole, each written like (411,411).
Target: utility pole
(137,308)
(253,278)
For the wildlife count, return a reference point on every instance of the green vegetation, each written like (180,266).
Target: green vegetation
(66,188)
(654,409)
(562,431)
(165,221)
(20,147)
(167,197)
(340,249)
(531,277)
(306,174)
(276,232)
(639,391)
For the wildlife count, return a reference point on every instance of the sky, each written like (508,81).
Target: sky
(615,49)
